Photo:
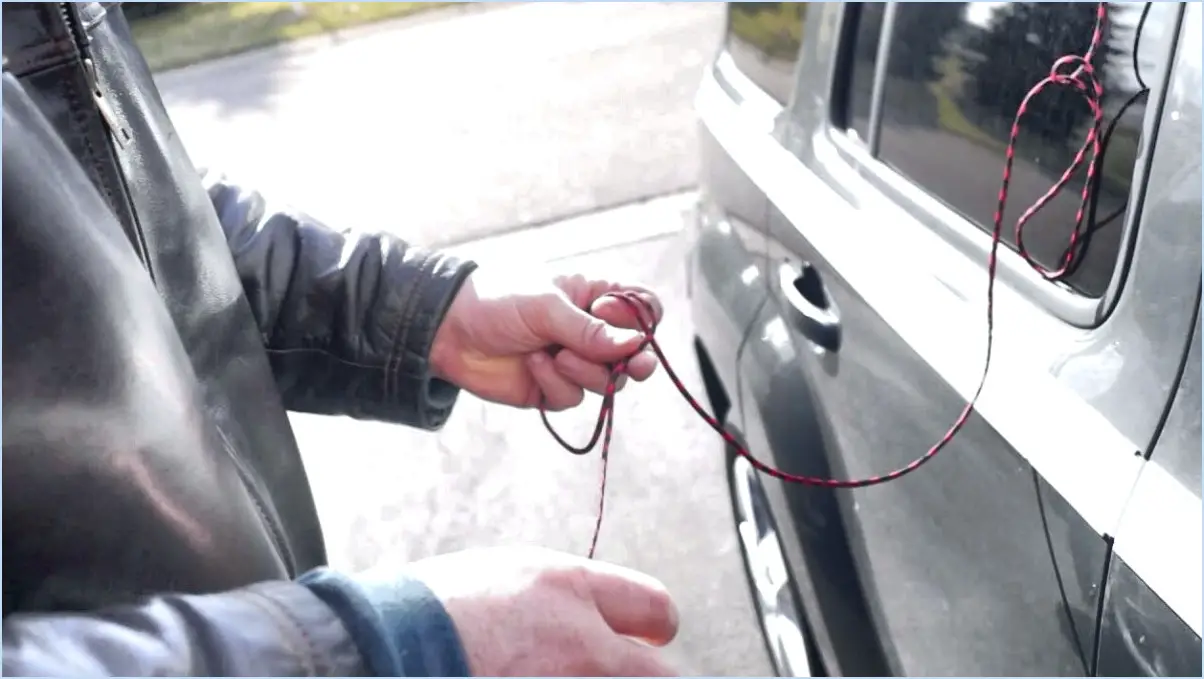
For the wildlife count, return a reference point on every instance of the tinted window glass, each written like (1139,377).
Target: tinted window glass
(867,21)
(956,74)
(763,39)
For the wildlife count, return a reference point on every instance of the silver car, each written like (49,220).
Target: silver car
(852,158)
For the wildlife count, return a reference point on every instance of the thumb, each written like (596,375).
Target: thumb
(589,336)
(633,604)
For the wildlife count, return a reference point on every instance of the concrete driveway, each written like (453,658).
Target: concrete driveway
(465,122)
(474,122)
(493,476)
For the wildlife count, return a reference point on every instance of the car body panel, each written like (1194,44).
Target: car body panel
(1141,635)
(726,261)
(991,559)
(1158,542)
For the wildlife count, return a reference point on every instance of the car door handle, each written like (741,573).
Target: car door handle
(809,306)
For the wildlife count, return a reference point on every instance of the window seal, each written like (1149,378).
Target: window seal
(840,72)
(878,87)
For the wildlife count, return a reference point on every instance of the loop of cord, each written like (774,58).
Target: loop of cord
(1072,71)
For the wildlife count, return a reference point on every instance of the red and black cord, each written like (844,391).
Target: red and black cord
(1072,71)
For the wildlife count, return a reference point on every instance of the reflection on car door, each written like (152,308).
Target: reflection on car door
(990,559)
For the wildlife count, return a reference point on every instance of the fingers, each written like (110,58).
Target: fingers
(632,658)
(584,291)
(586,294)
(558,392)
(593,376)
(642,365)
(632,604)
(610,331)
(588,336)
(620,313)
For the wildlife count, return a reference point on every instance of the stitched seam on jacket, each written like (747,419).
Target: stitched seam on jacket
(285,619)
(402,336)
(79,114)
(411,311)
(77,111)
(127,195)
(39,56)
(403,366)
(59,47)
(276,533)
(63,52)
(325,353)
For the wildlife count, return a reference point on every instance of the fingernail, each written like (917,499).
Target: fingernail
(644,362)
(622,335)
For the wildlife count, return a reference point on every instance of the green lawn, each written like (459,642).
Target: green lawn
(776,32)
(201,31)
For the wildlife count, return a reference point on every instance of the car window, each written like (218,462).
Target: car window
(956,73)
(863,54)
(763,39)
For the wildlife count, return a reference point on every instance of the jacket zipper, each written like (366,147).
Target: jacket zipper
(79,36)
(121,136)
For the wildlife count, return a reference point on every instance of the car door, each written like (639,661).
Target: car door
(1152,605)
(745,87)
(990,559)
(1151,615)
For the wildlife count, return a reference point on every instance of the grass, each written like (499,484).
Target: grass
(776,32)
(949,114)
(201,31)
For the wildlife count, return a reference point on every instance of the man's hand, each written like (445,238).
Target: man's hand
(530,612)
(495,339)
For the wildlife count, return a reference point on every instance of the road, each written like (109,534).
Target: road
(541,116)
(466,123)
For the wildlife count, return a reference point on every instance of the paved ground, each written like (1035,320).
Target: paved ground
(463,123)
(484,121)
(494,476)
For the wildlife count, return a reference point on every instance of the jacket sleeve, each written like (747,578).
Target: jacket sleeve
(347,318)
(274,629)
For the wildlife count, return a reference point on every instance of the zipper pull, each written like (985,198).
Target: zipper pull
(119,133)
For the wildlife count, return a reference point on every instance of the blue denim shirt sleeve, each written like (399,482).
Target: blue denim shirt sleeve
(400,627)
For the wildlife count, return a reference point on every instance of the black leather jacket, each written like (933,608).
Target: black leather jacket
(157,327)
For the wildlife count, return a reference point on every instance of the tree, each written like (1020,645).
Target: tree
(918,41)
(1017,49)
